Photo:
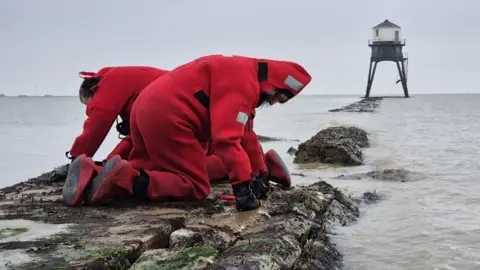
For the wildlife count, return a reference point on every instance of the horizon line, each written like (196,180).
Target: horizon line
(352,94)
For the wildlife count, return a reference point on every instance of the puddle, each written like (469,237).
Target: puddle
(27,230)
(13,257)
(24,230)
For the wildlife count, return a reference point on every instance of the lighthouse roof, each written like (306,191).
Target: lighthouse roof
(386,24)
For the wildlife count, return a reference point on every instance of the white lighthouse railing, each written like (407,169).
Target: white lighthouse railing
(380,40)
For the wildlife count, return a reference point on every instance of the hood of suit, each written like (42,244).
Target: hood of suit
(282,76)
(92,79)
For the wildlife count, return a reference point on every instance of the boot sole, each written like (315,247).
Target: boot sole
(74,188)
(99,180)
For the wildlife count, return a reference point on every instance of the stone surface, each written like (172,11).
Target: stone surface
(262,138)
(365,105)
(39,232)
(200,235)
(334,145)
(398,175)
(197,257)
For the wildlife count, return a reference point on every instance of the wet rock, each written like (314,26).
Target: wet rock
(189,258)
(319,253)
(334,145)
(279,243)
(260,252)
(289,231)
(400,175)
(371,197)
(291,150)
(365,105)
(200,235)
(262,138)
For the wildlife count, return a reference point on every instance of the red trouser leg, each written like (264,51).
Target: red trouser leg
(167,149)
(215,168)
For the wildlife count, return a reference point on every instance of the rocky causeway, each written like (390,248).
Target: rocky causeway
(365,105)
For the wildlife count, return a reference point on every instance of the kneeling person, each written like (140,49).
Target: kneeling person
(209,98)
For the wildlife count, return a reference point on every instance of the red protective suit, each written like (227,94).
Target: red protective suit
(123,148)
(209,98)
(114,95)
(277,170)
(253,148)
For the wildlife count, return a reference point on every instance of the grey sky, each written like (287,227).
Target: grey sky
(45,43)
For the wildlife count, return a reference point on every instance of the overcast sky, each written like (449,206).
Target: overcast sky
(44,44)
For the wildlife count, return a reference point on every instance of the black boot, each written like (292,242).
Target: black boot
(260,186)
(244,197)
(140,186)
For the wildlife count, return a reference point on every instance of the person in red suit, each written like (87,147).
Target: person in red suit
(95,128)
(121,105)
(109,93)
(208,99)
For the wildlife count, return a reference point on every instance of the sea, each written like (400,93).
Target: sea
(428,222)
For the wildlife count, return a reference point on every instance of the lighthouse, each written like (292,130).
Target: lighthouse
(387,44)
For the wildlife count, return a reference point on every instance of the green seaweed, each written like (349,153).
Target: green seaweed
(115,258)
(7,232)
(256,242)
(180,260)
(107,252)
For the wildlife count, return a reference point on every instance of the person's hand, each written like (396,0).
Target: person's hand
(59,173)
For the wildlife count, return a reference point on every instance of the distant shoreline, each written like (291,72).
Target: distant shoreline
(31,96)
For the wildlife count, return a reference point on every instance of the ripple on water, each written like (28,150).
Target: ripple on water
(431,223)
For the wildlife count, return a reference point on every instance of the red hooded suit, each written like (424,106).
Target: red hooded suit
(253,148)
(115,94)
(210,98)
(124,97)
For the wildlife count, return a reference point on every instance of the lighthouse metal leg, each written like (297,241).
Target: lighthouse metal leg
(401,72)
(371,74)
(405,87)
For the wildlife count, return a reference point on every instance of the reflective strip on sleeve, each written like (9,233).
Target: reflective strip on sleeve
(293,83)
(242,118)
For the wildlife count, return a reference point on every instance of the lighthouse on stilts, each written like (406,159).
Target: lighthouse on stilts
(387,45)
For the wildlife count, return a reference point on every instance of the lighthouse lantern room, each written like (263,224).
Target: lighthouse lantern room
(387,32)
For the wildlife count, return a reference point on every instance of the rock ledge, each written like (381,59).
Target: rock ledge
(289,232)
